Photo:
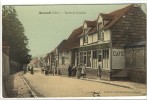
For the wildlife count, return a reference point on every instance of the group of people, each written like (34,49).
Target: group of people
(25,68)
(47,70)
(78,71)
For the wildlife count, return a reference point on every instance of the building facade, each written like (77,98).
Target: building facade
(104,44)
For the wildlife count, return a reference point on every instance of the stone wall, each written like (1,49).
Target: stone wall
(5,65)
(130,28)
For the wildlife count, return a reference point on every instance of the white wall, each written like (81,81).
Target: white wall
(85,25)
(118,59)
(100,19)
(89,39)
(95,37)
(81,41)
(107,35)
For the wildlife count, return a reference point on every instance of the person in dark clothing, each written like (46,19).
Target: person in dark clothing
(32,71)
(79,69)
(69,70)
(73,70)
(24,68)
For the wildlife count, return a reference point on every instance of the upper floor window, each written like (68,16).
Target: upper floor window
(100,32)
(85,40)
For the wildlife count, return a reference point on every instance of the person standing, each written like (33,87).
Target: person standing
(79,69)
(73,71)
(32,71)
(54,69)
(83,70)
(99,70)
(24,69)
(69,70)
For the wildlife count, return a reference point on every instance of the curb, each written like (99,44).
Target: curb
(95,80)
(32,92)
(124,86)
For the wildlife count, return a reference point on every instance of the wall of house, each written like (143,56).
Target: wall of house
(136,63)
(118,59)
(107,35)
(81,41)
(90,39)
(95,37)
(100,19)
(130,28)
(63,67)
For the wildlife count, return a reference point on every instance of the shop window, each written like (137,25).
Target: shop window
(94,59)
(105,58)
(81,57)
(89,59)
(85,58)
(94,54)
(100,58)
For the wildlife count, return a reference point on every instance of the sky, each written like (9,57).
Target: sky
(47,25)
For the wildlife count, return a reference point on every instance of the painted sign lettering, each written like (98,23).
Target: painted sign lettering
(118,53)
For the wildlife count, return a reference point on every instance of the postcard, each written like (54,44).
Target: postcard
(73,50)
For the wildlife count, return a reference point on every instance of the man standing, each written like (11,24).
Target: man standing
(24,68)
(99,69)
(69,70)
(79,69)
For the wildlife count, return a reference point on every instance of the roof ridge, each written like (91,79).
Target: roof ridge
(117,15)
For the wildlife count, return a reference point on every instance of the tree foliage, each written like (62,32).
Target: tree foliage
(13,35)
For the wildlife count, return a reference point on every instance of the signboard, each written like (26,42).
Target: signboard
(118,58)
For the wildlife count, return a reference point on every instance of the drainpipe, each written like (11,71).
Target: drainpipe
(110,51)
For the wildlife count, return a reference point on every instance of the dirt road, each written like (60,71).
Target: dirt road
(59,86)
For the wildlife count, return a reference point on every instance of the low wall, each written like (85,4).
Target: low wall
(91,73)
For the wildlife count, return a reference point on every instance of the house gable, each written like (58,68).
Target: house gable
(131,27)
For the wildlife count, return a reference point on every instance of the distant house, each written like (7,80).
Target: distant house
(69,51)
(105,43)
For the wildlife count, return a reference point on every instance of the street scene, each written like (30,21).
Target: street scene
(73,51)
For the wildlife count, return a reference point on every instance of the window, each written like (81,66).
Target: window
(63,60)
(85,39)
(99,55)
(81,57)
(88,58)
(105,58)
(94,54)
(94,59)
(100,32)
(100,58)
(85,58)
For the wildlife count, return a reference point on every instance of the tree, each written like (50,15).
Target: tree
(13,35)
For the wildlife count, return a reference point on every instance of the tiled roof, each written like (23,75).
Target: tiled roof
(93,30)
(61,45)
(73,40)
(107,16)
(116,15)
(91,23)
